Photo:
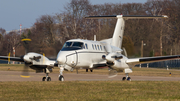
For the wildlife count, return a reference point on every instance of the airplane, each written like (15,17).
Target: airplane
(35,61)
(89,54)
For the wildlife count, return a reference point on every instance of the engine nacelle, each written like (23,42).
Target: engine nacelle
(118,65)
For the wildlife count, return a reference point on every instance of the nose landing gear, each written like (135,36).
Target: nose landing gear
(61,77)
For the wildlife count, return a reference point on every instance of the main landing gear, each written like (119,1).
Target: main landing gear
(126,78)
(46,78)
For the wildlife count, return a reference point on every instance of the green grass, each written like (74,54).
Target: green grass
(91,91)
(136,71)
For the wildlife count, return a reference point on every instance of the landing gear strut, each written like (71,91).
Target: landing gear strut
(61,78)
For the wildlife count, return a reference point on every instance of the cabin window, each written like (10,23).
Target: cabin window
(93,46)
(86,46)
(105,48)
(98,47)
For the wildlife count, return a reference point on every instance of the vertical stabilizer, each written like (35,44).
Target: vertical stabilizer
(118,32)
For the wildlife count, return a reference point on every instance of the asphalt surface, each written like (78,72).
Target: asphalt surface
(15,76)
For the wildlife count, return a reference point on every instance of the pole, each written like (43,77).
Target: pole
(142,48)
(13,53)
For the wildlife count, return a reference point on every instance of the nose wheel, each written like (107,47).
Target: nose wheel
(61,78)
(47,78)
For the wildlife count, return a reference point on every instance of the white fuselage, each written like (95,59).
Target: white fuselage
(85,55)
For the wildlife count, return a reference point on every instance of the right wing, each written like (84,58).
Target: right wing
(151,59)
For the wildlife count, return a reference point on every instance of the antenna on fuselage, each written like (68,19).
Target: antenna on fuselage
(94,37)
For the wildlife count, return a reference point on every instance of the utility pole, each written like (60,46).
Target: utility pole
(142,48)
(161,39)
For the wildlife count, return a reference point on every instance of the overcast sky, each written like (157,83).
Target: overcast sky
(25,12)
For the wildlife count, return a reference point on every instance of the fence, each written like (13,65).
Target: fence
(170,64)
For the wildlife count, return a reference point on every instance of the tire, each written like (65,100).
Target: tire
(61,78)
(124,78)
(91,70)
(49,79)
(86,70)
(128,79)
(44,78)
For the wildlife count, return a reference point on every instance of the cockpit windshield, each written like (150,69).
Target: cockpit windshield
(73,44)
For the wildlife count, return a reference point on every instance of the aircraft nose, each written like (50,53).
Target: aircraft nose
(61,59)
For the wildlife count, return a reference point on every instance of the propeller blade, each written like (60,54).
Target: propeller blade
(9,57)
(125,52)
(25,73)
(112,73)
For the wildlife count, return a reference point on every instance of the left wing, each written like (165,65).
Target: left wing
(151,59)
(19,59)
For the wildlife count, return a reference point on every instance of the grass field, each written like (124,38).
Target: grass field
(93,90)
(136,71)
(90,91)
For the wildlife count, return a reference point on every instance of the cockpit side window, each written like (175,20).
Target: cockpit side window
(68,44)
(77,44)
(73,44)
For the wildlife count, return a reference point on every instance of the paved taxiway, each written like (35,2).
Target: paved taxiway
(15,76)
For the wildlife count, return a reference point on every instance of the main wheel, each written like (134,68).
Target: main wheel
(49,79)
(86,70)
(44,78)
(124,78)
(61,78)
(128,79)
(91,70)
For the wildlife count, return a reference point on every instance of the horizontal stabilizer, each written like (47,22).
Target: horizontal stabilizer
(126,17)
(151,59)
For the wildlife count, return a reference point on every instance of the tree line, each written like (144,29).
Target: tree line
(50,32)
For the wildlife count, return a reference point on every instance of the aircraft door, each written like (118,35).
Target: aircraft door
(72,59)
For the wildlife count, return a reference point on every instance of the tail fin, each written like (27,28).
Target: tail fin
(120,25)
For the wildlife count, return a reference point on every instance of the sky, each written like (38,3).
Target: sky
(25,12)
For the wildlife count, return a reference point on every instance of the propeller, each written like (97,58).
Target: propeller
(112,73)
(25,73)
(111,58)
(125,52)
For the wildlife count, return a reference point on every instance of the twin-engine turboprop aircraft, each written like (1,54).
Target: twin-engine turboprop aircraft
(87,54)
